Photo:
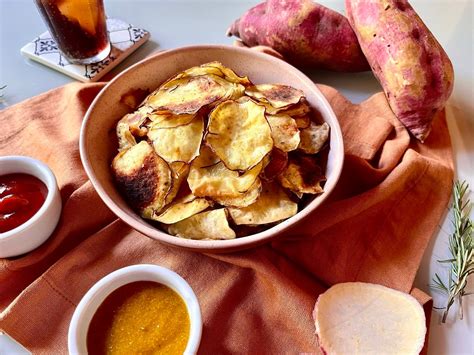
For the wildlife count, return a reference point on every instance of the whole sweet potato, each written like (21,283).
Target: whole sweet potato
(412,67)
(305,33)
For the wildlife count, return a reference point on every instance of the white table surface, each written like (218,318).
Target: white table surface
(175,23)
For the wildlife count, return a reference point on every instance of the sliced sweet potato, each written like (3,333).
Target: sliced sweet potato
(143,177)
(276,164)
(302,175)
(363,318)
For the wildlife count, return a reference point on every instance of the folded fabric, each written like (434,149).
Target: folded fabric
(374,228)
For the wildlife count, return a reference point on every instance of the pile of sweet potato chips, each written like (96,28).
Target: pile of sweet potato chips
(209,155)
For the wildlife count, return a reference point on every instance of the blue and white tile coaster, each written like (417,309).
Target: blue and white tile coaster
(124,38)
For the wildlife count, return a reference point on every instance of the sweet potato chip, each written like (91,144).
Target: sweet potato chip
(278,96)
(302,175)
(302,121)
(178,143)
(229,74)
(273,205)
(243,199)
(201,70)
(268,108)
(179,173)
(205,225)
(129,127)
(143,177)
(187,95)
(214,68)
(298,110)
(239,134)
(208,176)
(314,138)
(182,208)
(124,136)
(277,162)
(285,132)
(169,120)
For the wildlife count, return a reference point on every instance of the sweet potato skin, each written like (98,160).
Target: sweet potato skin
(307,34)
(412,67)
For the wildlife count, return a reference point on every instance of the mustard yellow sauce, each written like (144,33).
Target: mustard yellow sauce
(140,318)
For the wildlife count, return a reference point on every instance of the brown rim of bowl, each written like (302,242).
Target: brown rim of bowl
(242,242)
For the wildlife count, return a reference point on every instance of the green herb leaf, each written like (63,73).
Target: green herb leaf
(461,248)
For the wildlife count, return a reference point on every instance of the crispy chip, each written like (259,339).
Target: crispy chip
(285,133)
(302,175)
(268,108)
(182,208)
(208,176)
(298,110)
(302,121)
(239,134)
(169,120)
(129,127)
(179,173)
(277,163)
(229,74)
(273,205)
(314,138)
(178,143)
(243,199)
(125,137)
(187,95)
(205,225)
(214,68)
(278,96)
(204,69)
(143,177)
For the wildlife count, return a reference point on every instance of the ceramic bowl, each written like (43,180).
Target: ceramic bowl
(85,310)
(38,228)
(98,147)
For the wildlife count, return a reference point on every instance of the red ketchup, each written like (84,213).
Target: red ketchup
(21,196)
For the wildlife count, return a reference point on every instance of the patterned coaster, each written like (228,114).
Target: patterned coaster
(124,38)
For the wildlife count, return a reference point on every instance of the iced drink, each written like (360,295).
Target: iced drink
(78,27)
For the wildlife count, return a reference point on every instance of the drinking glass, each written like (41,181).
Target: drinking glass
(78,27)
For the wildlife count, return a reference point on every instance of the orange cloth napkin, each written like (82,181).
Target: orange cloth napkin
(374,228)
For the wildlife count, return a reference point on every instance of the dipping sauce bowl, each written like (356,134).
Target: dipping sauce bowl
(39,227)
(97,297)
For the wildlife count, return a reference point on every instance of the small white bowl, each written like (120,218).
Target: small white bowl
(37,229)
(85,310)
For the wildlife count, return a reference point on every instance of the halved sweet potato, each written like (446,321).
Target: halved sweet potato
(363,318)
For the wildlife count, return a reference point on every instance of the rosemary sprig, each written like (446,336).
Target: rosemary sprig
(461,247)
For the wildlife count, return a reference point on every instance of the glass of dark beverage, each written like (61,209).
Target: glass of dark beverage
(78,27)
